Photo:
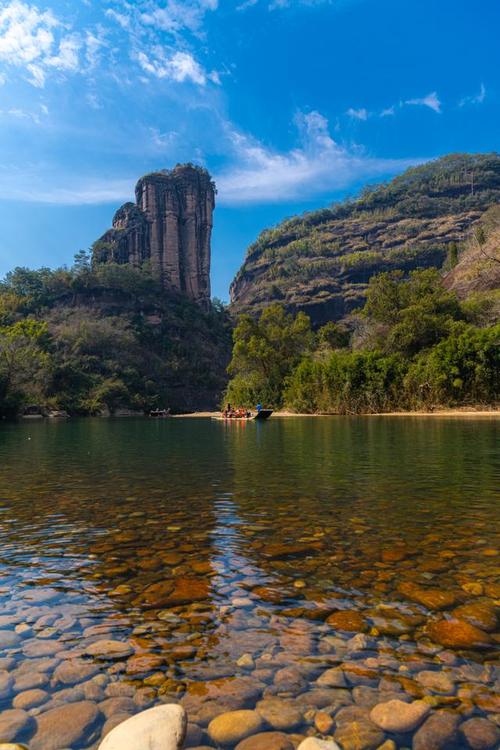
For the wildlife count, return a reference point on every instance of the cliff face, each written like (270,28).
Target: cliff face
(170,226)
(321,262)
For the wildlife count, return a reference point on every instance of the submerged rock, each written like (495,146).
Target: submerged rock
(399,717)
(107,649)
(432,598)
(348,620)
(266,741)
(12,723)
(280,713)
(480,734)
(232,727)
(481,614)
(458,634)
(65,726)
(440,732)
(159,728)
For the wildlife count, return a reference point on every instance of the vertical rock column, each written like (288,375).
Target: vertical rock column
(171,226)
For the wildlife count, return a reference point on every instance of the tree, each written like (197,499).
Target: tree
(24,364)
(264,353)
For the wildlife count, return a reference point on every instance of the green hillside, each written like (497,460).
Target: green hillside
(321,262)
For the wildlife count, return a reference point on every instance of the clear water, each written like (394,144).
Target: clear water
(255,535)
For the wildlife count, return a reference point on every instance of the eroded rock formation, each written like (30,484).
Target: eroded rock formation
(170,226)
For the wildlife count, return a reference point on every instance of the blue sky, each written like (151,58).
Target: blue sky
(291,104)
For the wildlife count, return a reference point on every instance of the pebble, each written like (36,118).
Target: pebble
(6,685)
(266,741)
(348,620)
(12,723)
(65,726)
(108,649)
(439,732)
(30,698)
(333,677)
(481,734)
(313,743)
(35,648)
(323,722)
(279,713)
(480,613)
(358,735)
(232,727)
(73,671)
(9,639)
(431,598)
(159,728)
(399,717)
(437,682)
(458,634)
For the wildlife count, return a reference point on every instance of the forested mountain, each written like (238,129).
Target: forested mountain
(93,340)
(321,262)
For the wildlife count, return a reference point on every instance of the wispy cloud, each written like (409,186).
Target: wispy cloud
(431,101)
(358,114)
(475,99)
(254,173)
(36,42)
(179,66)
(260,174)
(148,33)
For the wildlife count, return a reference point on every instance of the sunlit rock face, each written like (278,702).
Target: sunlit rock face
(169,226)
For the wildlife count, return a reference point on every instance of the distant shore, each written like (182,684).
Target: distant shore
(467,412)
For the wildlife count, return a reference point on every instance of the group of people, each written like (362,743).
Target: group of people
(231,413)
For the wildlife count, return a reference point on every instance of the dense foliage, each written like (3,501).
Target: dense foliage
(96,339)
(413,345)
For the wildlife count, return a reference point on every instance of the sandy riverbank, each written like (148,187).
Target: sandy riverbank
(469,413)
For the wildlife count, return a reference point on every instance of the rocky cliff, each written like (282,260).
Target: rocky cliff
(321,262)
(169,226)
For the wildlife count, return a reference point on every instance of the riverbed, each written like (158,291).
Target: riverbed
(307,569)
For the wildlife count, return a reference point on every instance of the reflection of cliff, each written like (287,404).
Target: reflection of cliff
(169,226)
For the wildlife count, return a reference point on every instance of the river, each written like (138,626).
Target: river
(312,568)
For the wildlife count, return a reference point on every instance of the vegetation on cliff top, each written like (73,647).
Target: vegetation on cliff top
(96,339)
(321,262)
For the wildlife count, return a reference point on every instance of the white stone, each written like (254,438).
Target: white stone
(313,743)
(159,728)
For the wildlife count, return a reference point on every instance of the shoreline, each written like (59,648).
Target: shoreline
(456,413)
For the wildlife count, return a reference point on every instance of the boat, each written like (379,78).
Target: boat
(263,414)
(259,415)
(159,413)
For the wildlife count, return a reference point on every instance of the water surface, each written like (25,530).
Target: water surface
(236,563)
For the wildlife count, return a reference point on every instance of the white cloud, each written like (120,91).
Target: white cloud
(476,99)
(180,66)
(163,141)
(176,15)
(36,41)
(431,101)
(18,113)
(67,56)
(255,173)
(260,174)
(358,114)
(389,112)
